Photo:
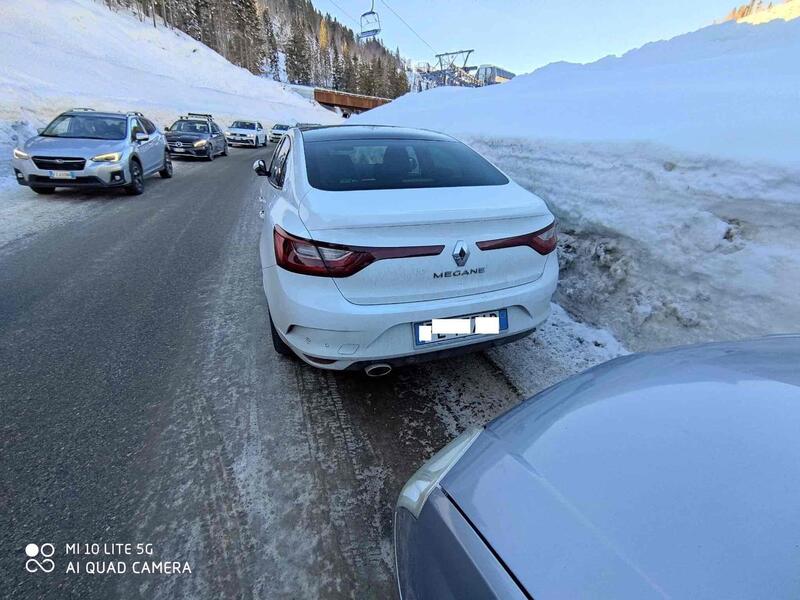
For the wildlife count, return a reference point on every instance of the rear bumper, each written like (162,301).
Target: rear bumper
(93,176)
(327,331)
(422,357)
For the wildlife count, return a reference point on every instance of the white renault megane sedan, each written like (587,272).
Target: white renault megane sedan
(373,235)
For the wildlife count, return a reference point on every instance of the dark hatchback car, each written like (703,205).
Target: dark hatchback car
(196,134)
(674,474)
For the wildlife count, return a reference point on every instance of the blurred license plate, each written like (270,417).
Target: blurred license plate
(179,150)
(62,175)
(501,315)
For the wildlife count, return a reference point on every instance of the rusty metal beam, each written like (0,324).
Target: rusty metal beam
(347,100)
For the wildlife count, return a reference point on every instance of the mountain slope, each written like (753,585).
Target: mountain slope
(758,11)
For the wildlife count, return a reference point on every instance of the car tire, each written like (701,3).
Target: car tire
(166,172)
(280,346)
(225,149)
(210,155)
(42,190)
(136,186)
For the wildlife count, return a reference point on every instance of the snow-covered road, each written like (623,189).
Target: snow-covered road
(144,402)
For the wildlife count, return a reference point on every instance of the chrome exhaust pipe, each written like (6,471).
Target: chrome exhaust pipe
(378,370)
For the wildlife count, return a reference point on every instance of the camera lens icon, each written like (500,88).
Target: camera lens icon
(45,551)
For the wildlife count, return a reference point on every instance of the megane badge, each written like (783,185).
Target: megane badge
(461,253)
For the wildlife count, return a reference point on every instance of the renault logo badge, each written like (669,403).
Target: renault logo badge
(460,253)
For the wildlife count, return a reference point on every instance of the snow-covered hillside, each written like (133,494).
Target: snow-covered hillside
(728,90)
(674,171)
(56,54)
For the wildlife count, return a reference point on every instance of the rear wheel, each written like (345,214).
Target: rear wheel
(136,186)
(280,346)
(166,172)
(42,190)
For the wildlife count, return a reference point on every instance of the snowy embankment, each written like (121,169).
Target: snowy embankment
(674,171)
(59,54)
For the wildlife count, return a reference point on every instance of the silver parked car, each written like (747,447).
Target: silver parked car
(674,474)
(83,148)
(277,132)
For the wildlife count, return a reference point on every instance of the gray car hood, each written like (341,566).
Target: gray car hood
(72,147)
(675,474)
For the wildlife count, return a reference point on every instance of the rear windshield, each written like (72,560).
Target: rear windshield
(87,127)
(185,126)
(375,164)
(243,125)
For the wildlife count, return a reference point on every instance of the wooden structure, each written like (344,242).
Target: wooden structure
(348,103)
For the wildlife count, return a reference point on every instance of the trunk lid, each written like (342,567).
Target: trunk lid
(455,218)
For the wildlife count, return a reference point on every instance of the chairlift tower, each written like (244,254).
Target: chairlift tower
(452,69)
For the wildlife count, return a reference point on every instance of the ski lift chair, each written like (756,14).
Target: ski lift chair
(370,24)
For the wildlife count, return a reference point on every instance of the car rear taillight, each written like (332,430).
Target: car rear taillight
(543,241)
(322,259)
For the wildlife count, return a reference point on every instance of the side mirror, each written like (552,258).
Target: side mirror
(141,137)
(166,128)
(260,167)
(40,131)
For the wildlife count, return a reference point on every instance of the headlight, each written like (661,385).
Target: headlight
(20,154)
(108,157)
(200,143)
(422,483)
(227,133)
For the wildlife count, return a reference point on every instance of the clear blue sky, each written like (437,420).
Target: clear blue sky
(522,35)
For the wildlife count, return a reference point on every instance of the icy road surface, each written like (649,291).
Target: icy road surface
(142,403)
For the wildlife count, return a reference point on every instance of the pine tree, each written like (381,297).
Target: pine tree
(337,71)
(356,81)
(271,44)
(298,67)
(319,49)
(323,36)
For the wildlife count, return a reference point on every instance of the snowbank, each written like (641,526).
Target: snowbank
(666,249)
(728,90)
(56,54)
(674,171)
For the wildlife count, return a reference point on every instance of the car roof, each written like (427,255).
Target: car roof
(361,132)
(94,113)
(666,474)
